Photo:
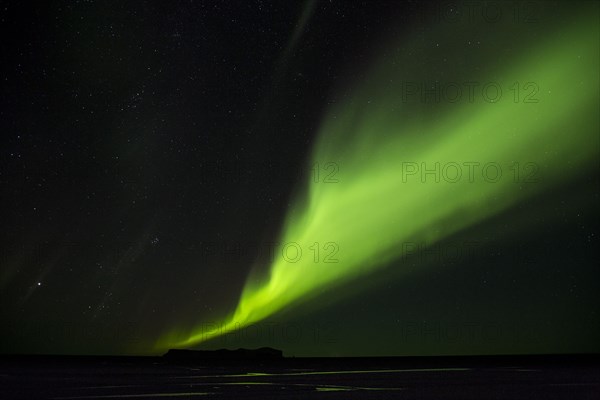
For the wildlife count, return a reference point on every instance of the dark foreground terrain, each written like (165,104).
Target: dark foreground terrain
(548,377)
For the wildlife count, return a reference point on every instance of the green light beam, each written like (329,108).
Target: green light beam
(381,199)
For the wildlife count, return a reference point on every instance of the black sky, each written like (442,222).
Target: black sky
(150,150)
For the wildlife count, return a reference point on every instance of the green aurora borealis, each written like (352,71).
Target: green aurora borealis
(384,134)
(325,177)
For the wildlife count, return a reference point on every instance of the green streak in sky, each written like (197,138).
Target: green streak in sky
(378,140)
(307,13)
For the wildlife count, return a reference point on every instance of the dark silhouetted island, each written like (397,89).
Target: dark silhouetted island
(264,353)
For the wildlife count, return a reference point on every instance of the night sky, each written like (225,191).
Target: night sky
(331,178)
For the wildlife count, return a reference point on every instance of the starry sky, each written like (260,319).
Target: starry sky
(331,178)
